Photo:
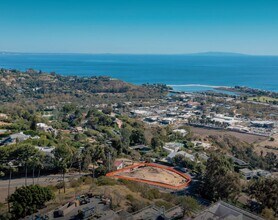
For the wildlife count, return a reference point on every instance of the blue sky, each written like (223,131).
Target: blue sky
(139,26)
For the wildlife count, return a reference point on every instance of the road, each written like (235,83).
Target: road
(43,180)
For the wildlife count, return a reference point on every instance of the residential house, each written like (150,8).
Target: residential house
(182,153)
(13,138)
(224,211)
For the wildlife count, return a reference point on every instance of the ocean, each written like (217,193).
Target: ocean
(182,72)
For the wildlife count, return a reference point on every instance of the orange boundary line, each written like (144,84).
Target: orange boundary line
(155,183)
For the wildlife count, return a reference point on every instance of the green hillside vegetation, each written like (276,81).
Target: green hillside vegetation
(53,89)
(265,99)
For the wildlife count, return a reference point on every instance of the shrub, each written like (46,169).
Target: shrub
(88,180)
(60,185)
(103,180)
(165,204)
(28,199)
(130,197)
(74,183)
(151,194)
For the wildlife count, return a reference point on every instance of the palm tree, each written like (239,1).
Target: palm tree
(63,158)
(25,154)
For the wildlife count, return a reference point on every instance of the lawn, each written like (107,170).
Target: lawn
(262,99)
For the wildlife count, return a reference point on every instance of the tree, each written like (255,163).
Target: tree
(36,162)
(63,155)
(265,191)
(271,160)
(137,137)
(156,143)
(268,214)
(28,199)
(220,181)
(126,132)
(189,205)
(24,154)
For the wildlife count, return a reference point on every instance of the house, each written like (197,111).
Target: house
(46,128)
(172,147)
(182,153)
(262,173)
(119,164)
(202,156)
(183,132)
(224,211)
(77,130)
(167,121)
(247,173)
(3,131)
(191,104)
(18,137)
(155,212)
(201,144)
(239,162)
(46,150)
(3,116)
(141,148)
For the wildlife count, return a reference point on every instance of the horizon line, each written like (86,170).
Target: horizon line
(206,53)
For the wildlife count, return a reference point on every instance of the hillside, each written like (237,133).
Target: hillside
(39,87)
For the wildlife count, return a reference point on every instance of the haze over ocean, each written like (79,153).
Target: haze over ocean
(182,70)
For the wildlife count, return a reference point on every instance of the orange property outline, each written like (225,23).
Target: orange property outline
(155,183)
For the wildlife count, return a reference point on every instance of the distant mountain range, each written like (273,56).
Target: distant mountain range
(216,53)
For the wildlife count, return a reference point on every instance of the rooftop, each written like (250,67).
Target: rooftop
(225,211)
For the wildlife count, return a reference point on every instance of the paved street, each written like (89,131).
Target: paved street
(43,180)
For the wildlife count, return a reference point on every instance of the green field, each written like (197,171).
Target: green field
(262,99)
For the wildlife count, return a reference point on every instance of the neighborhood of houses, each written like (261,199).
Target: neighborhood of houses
(182,111)
(177,112)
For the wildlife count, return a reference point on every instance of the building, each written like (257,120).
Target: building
(3,131)
(141,148)
(12,139)
(167,121)
(231,121)
(172,147)
(182,153)
(183,132)
(224,211)
(201,144)
(119,164)
(261,173)
(154,212)
(46,128)
(46,150)
(239,162)
(262,124)
(247,173)
(3,116)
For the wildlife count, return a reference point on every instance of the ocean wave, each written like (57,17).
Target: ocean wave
(198,85)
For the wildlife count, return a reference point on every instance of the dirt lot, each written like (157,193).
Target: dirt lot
(155,174)
(4,123)
(205,132)
(272,146)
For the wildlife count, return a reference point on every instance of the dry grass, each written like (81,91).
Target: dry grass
(261,146)
(248,138)
(155,174)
